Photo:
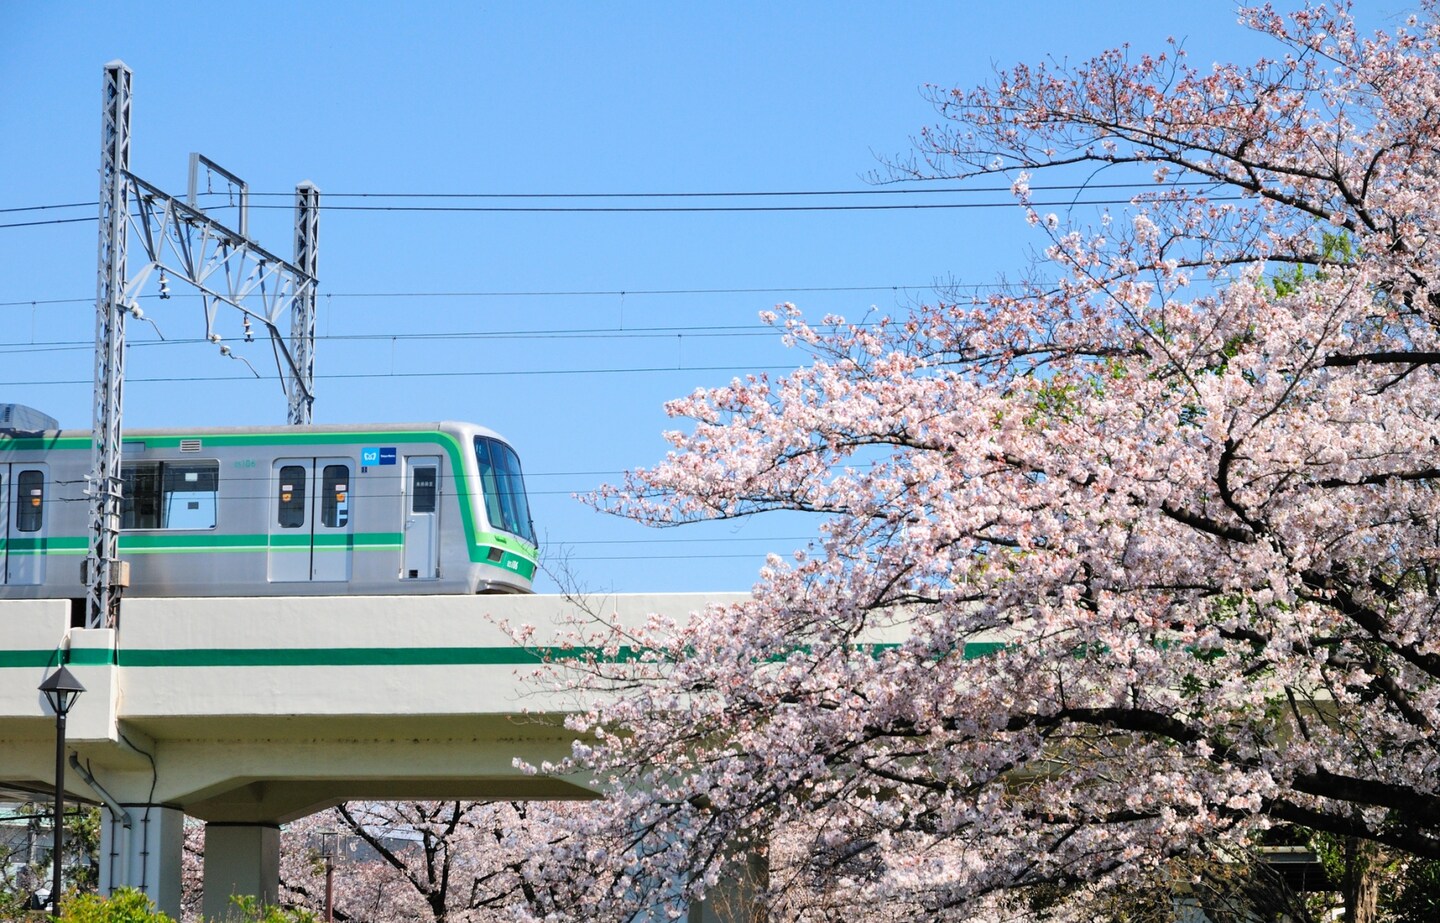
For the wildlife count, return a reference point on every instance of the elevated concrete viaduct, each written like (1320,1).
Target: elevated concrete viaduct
(249,713)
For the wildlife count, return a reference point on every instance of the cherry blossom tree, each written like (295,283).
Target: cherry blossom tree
(402,862)
(446,861)
(1115,568)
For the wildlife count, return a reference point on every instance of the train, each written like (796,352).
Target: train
(367,509)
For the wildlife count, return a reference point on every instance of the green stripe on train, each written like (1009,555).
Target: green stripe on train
(30,443)
(58,544)
(212,543)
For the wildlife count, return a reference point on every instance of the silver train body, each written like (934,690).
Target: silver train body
(379,509)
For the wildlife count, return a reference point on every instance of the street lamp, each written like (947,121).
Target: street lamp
(61,689)
(327,852)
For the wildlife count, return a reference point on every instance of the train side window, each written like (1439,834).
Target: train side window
(30,497)
(169,495)
(187,495)
(292,496)
(140,495)
(422,490)
(335,496)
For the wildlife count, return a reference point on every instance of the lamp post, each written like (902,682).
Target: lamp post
(61,689)
(327,852)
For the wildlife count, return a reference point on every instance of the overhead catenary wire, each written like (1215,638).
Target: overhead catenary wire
(41,208)
(664,334)
(589,293)
(752,193)
(661,209)
(713,194)
(700,209)
(661,335)
(468,373)
(31,224)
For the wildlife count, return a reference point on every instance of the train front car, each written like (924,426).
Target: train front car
(369,509)
(502,543)
(453,490)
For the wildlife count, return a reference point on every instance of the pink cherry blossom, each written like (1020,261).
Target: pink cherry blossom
(1112,569)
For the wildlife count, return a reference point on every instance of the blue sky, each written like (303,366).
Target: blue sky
(521,98)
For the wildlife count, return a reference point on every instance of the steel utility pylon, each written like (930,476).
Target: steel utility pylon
(225,265)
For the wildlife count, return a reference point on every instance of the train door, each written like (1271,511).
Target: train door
(24,512)
(422,518)
(311,529)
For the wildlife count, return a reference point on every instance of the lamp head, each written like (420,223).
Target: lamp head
(61,689)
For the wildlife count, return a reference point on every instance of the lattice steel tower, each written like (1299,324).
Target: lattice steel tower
(226,266)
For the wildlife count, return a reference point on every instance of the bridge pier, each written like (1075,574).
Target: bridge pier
(145,856)
(240,859)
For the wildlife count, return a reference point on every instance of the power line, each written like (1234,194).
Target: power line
(32,224)
(694,209)
(777,193)
(730,194)
(591,293)
(488,373)
(33,302)
(611,293)
(669,209)
(40,208)
(665,334)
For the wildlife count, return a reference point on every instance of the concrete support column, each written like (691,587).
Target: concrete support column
(240,859)
(145,856)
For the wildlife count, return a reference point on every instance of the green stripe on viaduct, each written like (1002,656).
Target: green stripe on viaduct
(358,656)
(314,656)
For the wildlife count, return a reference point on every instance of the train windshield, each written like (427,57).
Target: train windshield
(504,488)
